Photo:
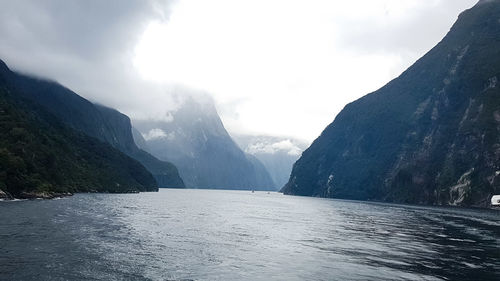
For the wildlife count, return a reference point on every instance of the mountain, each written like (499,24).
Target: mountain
(195,140)
(165,173)
(105,124)
(430,136)
(42,157)
(277,154)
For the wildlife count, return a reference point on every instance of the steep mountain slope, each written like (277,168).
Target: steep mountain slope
(165,173)
(195,140)
(431,136)
(277,154)
(40,156)
(103,123)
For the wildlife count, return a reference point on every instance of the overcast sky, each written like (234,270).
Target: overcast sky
(282,68)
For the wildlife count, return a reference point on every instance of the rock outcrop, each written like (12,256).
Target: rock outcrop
(430,136)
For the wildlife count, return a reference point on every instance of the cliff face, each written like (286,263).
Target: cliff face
(105,124)
(40,156)
(165,173)
(431,136)
(195,140)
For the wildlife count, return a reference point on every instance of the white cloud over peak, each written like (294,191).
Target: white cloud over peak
(273,67)
(286,67)
(272,148)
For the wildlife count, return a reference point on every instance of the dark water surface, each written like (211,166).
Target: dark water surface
(238,235)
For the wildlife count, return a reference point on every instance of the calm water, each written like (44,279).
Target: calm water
(228,235)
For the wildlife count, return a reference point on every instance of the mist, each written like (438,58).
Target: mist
(279,68)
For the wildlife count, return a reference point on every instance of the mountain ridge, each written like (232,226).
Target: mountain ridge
(277,154)
(101,122)
(195,140)
(430,136)
(40,156)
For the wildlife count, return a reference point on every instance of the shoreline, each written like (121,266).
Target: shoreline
(47,195)
(5,196)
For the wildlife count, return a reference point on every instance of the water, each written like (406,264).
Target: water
(239,235)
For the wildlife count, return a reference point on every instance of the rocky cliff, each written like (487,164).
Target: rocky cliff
(40,156)
(105,124)
(430,136)
(195,140)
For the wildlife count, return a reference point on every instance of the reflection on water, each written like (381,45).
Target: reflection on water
(227,235)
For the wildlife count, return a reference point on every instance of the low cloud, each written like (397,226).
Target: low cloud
(272,148)
(303,59)
(155,134)
(166,117)
(87,46)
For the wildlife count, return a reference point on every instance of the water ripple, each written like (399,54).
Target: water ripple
(237,235)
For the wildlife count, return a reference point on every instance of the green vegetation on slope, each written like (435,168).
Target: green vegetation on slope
(100,122)
(40,154)
(165,173)
(431,136)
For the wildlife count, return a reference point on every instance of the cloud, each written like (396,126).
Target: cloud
(287,67)
(271,148)
(166,116)
(86,46)
(155,134)
(419,24)
(273,67)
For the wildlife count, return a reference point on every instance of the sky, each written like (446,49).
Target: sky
(272,67)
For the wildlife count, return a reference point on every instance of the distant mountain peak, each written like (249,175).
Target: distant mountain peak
(197,142)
